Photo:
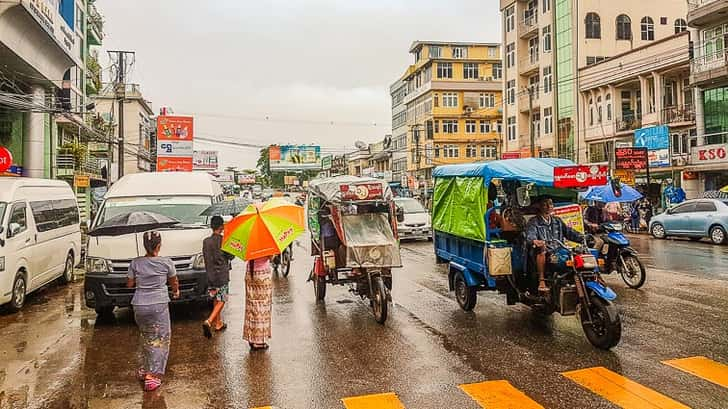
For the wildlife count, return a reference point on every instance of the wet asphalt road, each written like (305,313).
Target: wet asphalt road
(54,354)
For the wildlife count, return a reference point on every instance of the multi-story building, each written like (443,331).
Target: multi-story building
(546,42)
(708,169)
(399,147)
(358,161)
(453,110)
(139,126)
(642,90)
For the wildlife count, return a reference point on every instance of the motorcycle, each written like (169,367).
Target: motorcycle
(282,262)
(620,257)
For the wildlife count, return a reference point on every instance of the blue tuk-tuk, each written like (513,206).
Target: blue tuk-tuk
(479,215)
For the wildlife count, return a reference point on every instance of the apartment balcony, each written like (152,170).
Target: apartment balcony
(675,115)
(528,27)
(95,32)
(528,65)
(704,13)
(628,122)
(524,105)
(709,68)
(68,166)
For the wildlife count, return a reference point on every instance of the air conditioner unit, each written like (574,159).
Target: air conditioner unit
(468,110)
(486,78)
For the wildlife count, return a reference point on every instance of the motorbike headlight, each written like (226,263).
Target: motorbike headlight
(98,265)
(198,262)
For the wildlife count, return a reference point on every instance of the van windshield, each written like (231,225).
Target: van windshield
(186,209)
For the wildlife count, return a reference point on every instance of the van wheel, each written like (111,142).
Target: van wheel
(67,276)
(20,289)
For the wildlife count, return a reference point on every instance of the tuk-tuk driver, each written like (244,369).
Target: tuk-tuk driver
(541,231)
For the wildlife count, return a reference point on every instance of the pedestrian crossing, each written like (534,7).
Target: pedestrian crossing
(611,386)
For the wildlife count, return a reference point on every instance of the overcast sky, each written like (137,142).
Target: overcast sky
(303,64)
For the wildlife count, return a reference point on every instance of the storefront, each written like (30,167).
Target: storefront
(708,169)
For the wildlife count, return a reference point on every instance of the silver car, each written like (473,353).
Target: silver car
(695,219)
(416,224)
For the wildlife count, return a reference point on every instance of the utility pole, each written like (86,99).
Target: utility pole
(530,119)
(120,94)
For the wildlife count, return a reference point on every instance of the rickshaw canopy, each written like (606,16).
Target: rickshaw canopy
(539,171)
(330,189)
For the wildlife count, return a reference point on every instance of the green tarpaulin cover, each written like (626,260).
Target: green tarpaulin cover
(459,207)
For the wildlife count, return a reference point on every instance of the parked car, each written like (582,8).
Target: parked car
(696,219)
(40,236)
(180,195)
(416,224)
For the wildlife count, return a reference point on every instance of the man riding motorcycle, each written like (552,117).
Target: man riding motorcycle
(541,232)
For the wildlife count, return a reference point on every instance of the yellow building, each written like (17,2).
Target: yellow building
(453,105)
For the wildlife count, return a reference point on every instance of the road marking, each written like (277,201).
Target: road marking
(702,367)
(499,395)
(377,401)
(620,390)
(264,407)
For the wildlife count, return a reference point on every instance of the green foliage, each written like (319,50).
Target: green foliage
(75,149)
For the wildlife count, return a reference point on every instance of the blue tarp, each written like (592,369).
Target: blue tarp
(539,171)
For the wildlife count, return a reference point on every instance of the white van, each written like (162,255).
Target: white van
(40,236)
(180,195)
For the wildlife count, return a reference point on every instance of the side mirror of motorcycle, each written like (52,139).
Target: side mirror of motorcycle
(523,196)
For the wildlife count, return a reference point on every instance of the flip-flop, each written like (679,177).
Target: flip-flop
(141,374)
(152,384)
(223,328)
(206,330)
(255,347)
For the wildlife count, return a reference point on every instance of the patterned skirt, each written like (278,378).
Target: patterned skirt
(258,303)
(155,333)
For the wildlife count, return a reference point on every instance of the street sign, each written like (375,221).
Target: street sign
(630,158)
(510,155)
(6,159)
(82,181)
(580,176)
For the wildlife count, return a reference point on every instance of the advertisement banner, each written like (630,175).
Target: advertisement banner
(6,159)
(174,164)
(571,215)
(652,138)
(580,176)
(326,162)
(362,191)
(246,179)
(295,157)
(290,180)
(223,177)
(175,136)
(625,176)
(630,158)
(204,160)
(511,155)
(659,158)
(82,181)
(708,154)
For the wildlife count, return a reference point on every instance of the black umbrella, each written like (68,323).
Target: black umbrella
(227,208)
(132,222)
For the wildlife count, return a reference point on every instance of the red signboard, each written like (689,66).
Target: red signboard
(6,159)
(511,155)
(630,158)
(362,191)
(580,176)
(174,164)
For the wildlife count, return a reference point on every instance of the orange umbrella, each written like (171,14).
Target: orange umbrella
(263,230)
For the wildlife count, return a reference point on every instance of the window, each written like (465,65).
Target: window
(471,151)
(470,70)
(533,49)
(485,127)
(437,126)
(511,91)
(437,151)
(497,71)
(624,27)
(512,128)
(435,51)
(492,52)
(487,100)
(536,123)
(487,151)
(510,19)
(594,60)
(54,214)
(444,70)
(499,126)
(663,21)
(593,25)
(535,85)
(591,111)
(684,208)
(17,216)
(459,52)
(547,39)
(450,126)
(450,99)
(436,100)
(451,151)
(680,25)
(705,207)
(609,107)
(547,80)
(470,126)
(510,55)
(599,109)
(548,121)
(647,28)
(546,6)
(418,55)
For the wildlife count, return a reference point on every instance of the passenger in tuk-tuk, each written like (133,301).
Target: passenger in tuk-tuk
(541,232)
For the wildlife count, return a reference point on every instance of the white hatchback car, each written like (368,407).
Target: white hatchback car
(416,224)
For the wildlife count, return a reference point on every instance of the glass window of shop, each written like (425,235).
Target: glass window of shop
(715,107)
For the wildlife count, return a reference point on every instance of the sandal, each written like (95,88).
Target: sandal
(222,328)
(258,347)
(141,374)
(206,330)
(151,383)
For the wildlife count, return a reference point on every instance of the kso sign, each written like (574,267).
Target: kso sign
(710,154)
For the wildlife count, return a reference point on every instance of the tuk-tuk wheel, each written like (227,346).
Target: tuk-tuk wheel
(379,300)
(466,296)
(319,287)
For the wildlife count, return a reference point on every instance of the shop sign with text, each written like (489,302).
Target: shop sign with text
(630,158)
(580,176)
(709,154)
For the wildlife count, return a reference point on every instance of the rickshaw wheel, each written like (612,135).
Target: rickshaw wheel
(319,287)
(379,300)
(606,330)
(466,296)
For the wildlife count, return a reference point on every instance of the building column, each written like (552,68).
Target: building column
(34,137)
(645,95)
(699,115)
(616,102)
(658,88)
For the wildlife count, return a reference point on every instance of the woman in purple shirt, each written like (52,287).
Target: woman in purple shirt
(149,276)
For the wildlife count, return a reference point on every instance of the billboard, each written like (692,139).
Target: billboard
(630,158)
(246,179)
(580,176)
(175,135)
(652,138)
(204,160)
(295,157)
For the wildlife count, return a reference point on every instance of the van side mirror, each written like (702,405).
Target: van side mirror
(523,196)
(13,229)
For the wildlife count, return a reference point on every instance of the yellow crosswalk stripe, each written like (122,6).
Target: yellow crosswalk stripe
(499,395)
(264,407)
(702,367)
(621,391)
(378,401)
